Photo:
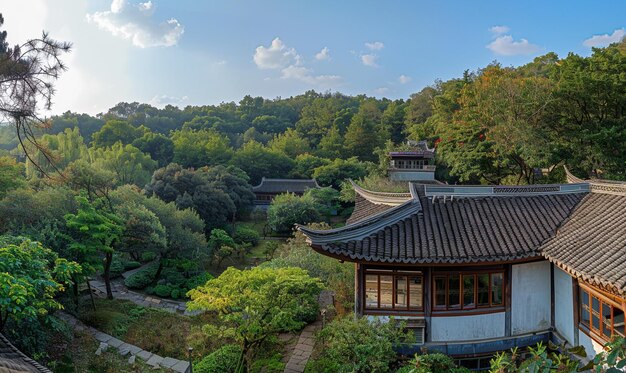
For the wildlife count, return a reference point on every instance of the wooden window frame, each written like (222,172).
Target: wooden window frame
(603,298)
(394,274)
(476,307)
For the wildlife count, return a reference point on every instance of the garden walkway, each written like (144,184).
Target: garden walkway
(304,347)
(124,348)
(121,292)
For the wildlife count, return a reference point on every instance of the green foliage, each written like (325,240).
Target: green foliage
(11,175)
(30,277)
(222,246)
(255,304)
(289,209)
(116,130)
(143,277)
(199,148)
(129,164)
(612,359)
(258,162)
(362,136)
(543,358)
(305,165)
(142,231)
(223,360)
(244,235)
(290,143)
(434,363)
(356,345)
(160,147)
(339,170)
(327,200)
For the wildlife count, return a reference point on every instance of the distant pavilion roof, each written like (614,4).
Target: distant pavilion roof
(581,227)
(285,185)
(13,360)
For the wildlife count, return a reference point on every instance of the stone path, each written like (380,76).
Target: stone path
(304,347)
(124,348)
(121,292)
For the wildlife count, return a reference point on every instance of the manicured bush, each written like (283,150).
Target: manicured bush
(142,278)
(175,294)
(245,235)
(117,266)
(223,360)
(131,265)
(163,290)
(435,363)
(198,280)
(148,256)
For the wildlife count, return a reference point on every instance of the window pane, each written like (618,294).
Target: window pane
(371,291)
(606,320)
(584,308)
(496,289)
(401,292)
(468,292)
(618,322)
(386,291)
(483,289)
(416,289)
(440,292)
(454,291)
(595,313)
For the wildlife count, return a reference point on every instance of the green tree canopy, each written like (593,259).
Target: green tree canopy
(289,209)
(11,175)
(116,131)
(129,164)
(258,162)
(339,170)
(199,148)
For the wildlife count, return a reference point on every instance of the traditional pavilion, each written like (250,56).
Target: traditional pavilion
(265,192)
(479,269)
(415,164)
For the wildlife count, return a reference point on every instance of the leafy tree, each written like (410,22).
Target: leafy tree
(258,162)
(351,344)
(331,144)
(256,304)
(232,181)
(129,164)
(160,147)
(434,363)
(198,148)
(335,172)
(222,360)
(392,122)
(327,200)
(269,124)
(11,175)
(30,277)
(64,148)
(96,181)
(305,165)
(290,143)
(362,135)
(192,189)
(222,246)
(289,209)
(94,233)
(419,108)
(143,232)
(115,131)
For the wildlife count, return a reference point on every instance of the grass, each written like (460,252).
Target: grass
(154,330)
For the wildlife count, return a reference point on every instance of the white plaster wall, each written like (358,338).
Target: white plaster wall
(591,347)
(564,305)
(463,328)
(530,297)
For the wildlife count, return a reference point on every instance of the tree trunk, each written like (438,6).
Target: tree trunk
(158,272)
(107,274)
(75,290)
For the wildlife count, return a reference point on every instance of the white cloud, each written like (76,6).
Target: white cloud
(135,22)
(403,79)
(306,75)
(375,46)
(163,100)
(322,55)
(276,56)
(605,39)
(499,30)
(369,60)
(381,90)
(506,46)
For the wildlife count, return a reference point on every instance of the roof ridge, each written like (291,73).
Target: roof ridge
(614,187)
(382,198)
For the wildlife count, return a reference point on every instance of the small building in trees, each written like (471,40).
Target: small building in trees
(265,192)
(479,269)
(416,163)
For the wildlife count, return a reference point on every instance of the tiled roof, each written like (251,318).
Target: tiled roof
(13,360)
(364,209)
(462,230)
(285,185)
(592,243)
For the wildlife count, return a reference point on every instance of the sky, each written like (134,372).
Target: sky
(191,52)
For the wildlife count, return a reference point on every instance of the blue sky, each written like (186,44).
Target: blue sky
(188,52)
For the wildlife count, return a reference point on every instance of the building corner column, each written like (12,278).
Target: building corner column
(508,301)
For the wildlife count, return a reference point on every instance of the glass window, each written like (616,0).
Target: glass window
(595,313)
(440,292)
(454,292)
(483,289)
(371,291)
(386,291)
(607,321)
(468,292)
(584,302)
(618,322)
(496,289)
(416,292)
(401,292)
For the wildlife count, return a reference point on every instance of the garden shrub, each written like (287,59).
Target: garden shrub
(117,266)
(244,235)
(131,265)
(175,294)
(198,280)
(148,256)
(434,363)
(272,364)
(143,277)
(223,360)
(163,290)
